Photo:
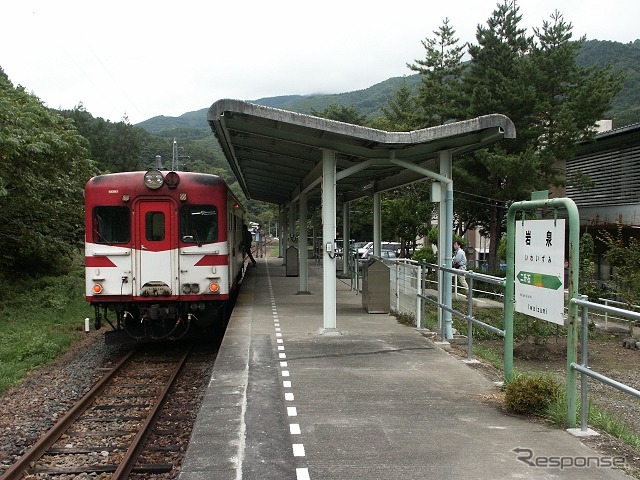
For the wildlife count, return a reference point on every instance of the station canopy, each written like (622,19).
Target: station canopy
(276,154)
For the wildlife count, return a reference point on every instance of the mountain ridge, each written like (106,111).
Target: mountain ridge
(625,107)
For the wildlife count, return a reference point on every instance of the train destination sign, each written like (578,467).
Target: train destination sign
(539,280)
(539,263)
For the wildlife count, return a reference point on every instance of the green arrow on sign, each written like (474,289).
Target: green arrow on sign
(539,280)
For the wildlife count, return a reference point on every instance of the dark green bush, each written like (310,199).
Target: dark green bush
(531,394)
(424,254)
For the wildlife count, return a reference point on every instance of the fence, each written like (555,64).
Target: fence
(606,316)
(410,281)
(468,315)
(584,370)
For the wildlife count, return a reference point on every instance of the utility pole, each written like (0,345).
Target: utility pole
(175,166)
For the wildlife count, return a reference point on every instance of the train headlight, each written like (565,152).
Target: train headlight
(186,288)
(153,179)
(96,289)
(214,287)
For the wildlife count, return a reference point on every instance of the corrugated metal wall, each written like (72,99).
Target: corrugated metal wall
(615,173)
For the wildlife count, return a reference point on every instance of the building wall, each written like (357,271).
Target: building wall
(604,178)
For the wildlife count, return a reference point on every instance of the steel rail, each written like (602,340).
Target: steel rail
(128,461)
(38,449)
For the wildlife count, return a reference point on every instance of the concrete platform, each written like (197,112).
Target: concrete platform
(371,400)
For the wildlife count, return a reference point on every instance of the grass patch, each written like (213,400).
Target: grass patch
(39,319)
(556,414)
(490,355)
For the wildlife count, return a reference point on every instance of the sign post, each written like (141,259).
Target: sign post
(539,268)
(530,277)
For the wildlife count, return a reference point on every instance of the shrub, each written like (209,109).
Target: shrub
(424,254)
(531,394)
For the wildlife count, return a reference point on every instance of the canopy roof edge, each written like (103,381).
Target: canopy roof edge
(272,151)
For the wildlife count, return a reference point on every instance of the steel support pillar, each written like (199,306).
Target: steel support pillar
(445,240)
(328,237)
(303,254)
(346,235)
(377,224)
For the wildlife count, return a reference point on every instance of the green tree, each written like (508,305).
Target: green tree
(44,165)
(440,72)
(342,113)
(361,219)
(587,284)
(623,254)
(407,213)
(495,83)
(116,147)
(399,114)
(553,103)
(569,99)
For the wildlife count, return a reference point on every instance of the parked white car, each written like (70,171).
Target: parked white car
(387,250)
(363,251)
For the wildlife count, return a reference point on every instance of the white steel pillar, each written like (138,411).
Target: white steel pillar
(303,253)
(283,232)
(377,224)
(328,236)
(445,231)
(292,223)
(346,235)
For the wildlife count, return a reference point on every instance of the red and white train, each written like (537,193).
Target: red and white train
(163,254)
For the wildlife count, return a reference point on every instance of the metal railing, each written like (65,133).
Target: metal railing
(606,316)
(410,280)
(583,368)
(468,315)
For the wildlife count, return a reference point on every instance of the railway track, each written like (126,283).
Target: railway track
(135,421)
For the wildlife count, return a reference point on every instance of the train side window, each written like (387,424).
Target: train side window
(198,224)
(154,226)
(111,225)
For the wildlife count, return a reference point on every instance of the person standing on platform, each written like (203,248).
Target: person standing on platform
(460,262)
(260,246)
(247,238)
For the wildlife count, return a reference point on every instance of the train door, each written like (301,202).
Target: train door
(156,261)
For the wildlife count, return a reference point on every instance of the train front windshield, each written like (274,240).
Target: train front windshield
(111,225)
(198,224)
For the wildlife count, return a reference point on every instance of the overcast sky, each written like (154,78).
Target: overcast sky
(145,58)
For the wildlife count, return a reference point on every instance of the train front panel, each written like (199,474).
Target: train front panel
(158,257)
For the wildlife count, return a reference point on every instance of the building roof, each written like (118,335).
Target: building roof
(277,154)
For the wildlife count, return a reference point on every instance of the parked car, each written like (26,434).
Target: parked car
(363,251)
(385,248)
(388,254)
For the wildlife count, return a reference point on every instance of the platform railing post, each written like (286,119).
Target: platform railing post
(584,402)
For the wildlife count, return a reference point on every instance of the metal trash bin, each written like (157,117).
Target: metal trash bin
(375,286)
(291,259)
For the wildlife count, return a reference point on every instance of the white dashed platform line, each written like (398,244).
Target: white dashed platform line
(302,474)
(294,428)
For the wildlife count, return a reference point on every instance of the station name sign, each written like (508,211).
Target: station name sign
(539,269)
